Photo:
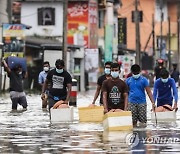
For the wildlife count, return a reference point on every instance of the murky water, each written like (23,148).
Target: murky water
(32,132)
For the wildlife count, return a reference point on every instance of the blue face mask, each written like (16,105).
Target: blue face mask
(115,74)
(107,71)
(59,70)
(136,76)
(164,80)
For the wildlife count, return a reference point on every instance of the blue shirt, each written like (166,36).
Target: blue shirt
(137,89)
(42,77)
(164,92)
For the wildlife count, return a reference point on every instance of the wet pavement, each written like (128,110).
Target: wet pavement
(31,131)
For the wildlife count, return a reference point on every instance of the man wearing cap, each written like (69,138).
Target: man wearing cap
(158,68)
(60,85)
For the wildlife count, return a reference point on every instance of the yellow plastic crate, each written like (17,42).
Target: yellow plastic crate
(118,121)
(91,114)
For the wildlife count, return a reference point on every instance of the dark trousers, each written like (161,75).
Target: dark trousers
(19,100)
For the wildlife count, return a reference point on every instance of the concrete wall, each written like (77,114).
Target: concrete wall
(149,8)
(29,16)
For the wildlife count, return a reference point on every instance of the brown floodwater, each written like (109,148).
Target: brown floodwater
(31,131)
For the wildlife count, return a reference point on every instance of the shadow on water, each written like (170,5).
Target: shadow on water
(32,132)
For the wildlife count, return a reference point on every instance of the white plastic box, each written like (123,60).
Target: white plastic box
(168,116)
(62,114)
(118,121)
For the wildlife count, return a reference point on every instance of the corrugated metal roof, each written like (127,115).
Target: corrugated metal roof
(45,43)
(47,0)
(39,0)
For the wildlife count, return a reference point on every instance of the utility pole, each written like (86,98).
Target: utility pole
(169,42)
(9,10)
(161,28)
(153,35)
(138,47)
(64,52)
(178,29)
(109,30)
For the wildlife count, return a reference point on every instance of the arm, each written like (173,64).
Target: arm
(155,92)
(44,87)
(6,67)
(105,102)
(40,80)
(148,90)
(98,89)
(175,94)
(125,101)
(69,86)
(25,75)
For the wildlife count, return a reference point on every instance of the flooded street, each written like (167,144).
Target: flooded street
(32,132)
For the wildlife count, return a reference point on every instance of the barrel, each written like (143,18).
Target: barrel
(14,61)
(73,94)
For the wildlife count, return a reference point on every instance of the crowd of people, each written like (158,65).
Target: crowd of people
(116,94)
(130,94)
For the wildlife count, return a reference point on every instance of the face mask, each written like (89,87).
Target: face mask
(164,80)
(136,76)
(115,74)
(59,70)
(107,70)
(46,69)
(20,73)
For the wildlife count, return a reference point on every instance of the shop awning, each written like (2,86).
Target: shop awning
(47,44)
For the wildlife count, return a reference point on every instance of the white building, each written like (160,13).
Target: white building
(45,17)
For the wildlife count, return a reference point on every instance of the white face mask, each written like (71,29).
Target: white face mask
(136,76)
(164,80)
(107,70)
(59,70)
(20,73)
(46,69)
(115,74)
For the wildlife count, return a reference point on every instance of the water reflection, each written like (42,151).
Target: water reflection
(32,132)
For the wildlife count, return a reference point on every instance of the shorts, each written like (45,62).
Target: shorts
(18,98)
(164,102)
(139,112)
(53,99)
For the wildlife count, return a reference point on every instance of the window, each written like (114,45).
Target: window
(101,18)
(140,15)
(46,16)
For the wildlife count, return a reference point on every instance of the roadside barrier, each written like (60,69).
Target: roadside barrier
(73,95)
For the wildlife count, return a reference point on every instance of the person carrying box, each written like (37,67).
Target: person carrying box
(115,91)
(137,85)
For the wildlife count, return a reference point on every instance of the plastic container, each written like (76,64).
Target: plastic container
(62,114)
(13,61)
(167,116)
(118,121)
(91,114)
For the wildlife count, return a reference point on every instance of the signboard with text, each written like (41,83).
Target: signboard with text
(14,39)
(93,23)
(127,61)
(78,25)
(122,31)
